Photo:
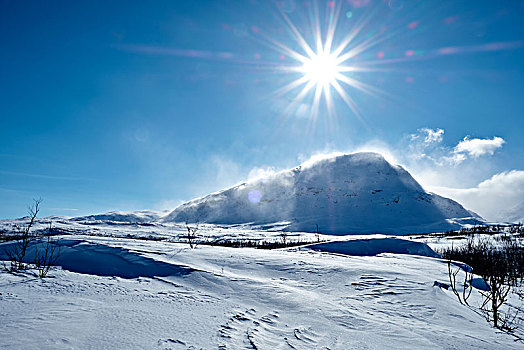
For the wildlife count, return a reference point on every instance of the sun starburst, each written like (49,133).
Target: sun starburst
(323,69)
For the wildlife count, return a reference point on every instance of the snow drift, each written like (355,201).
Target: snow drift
(351,193)
(99,259)
(371,247)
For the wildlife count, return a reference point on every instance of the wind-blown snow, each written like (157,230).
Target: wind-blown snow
(352,193)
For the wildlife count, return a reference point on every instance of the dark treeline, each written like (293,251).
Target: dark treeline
(239,243)
(502,255)
(515,229)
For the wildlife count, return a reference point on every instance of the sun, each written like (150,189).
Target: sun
(321,69)
(324,66)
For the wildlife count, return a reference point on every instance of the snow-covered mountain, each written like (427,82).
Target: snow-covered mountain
(141,216)
(351,193)
(514,214)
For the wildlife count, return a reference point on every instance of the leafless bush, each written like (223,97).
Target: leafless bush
(192,235)
(47,257)
(17,254)
(501,266)
(283,238)
(466,283)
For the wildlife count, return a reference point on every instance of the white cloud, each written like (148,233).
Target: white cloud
(478,147)
(426,144)
(490,198)
(455,158)
(428,136)
(433,135)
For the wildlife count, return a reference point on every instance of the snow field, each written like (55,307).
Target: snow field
(228,298)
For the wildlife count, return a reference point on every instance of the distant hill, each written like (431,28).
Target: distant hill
(514,214)
(142,216)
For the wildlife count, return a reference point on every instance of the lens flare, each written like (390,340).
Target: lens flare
(254,196)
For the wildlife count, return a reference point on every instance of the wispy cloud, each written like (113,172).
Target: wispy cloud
(11,191)
(41,176)
(430,135)
(493,46)
(169,51)
(64,209)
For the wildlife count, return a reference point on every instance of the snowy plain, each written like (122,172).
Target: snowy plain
(115,292)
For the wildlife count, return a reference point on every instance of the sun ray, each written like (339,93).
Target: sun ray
(348,100)
(316,26)
(333,19)
(300,39)
(370,90)
(300,97)
(359,26)
(291,86)
(283,49)
(316,101)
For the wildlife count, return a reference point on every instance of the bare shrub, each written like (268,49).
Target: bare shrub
(501,266)
(283,238)
(466,283)
(192,235)
(47,257)
(17,255)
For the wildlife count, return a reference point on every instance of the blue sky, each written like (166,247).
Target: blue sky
(128,105)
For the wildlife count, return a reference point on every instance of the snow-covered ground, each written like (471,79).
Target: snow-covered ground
(120,293)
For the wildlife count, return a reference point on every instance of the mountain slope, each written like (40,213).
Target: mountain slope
(351,193)
(514,214)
